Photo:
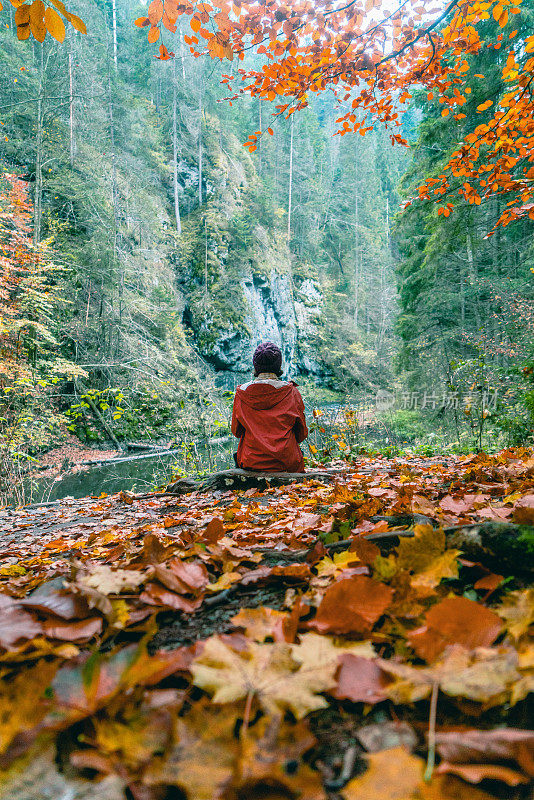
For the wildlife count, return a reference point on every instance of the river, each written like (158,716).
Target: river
(146,472)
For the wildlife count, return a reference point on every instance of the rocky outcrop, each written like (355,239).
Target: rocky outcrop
(278,309)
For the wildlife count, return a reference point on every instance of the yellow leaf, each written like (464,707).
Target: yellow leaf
(394,774)
(54,24)
(517,611)
(60,6)
(418,552)
(267,671)
(444,566)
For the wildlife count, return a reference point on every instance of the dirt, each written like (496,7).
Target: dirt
(177,629)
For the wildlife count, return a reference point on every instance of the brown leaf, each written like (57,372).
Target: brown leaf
(214,531)
(455,620)
(352,605)
(265,753)
(489,582)
(193,574)
(80,631)
(60,602)
(365,550)
(360,680)
(156,595)
(501,744)
(149,670)
(202,760)
(448,787)
(524,510)
(474,773)
(16,625)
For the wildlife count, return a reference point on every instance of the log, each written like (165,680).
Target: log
(247,479)
(506,548)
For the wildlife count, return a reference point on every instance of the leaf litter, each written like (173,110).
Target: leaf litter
(310,640)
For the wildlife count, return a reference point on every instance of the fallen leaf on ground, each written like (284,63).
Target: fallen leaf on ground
(391,775)
(517,611)
(203,758)
(500,744)
(107,580)
(360,680)
(266,671)
(352,605)
(455,620)
(475,773)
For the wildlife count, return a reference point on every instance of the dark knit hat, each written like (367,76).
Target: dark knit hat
(267,358)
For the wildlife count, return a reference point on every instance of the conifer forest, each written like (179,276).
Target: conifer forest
(181,182)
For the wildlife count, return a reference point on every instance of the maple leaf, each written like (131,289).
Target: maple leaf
(261,623)
(425,554)
(517,611)
(267,671)
(107,580)
(486,675)
(202,760)
(322,651)
(329,567)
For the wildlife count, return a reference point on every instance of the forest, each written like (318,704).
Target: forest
(181,181)
(167,251)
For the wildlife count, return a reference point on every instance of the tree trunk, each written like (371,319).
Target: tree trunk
(72,141)
(114,18)
(200,147)
(206,256)
(113,167)
(37,210)
(247,479)
(175,154)
(356,249)
(290,183)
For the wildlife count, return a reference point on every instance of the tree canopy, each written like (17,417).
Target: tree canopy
(371,56)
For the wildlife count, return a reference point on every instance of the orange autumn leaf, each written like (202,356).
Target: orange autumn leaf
(455,620)
(352,605)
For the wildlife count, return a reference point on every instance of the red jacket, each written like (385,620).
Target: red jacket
(269,422)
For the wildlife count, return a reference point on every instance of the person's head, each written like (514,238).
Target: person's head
(267,358)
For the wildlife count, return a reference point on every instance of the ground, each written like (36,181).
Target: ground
(362,636)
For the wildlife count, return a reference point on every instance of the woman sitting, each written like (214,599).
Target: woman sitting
(268,417)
